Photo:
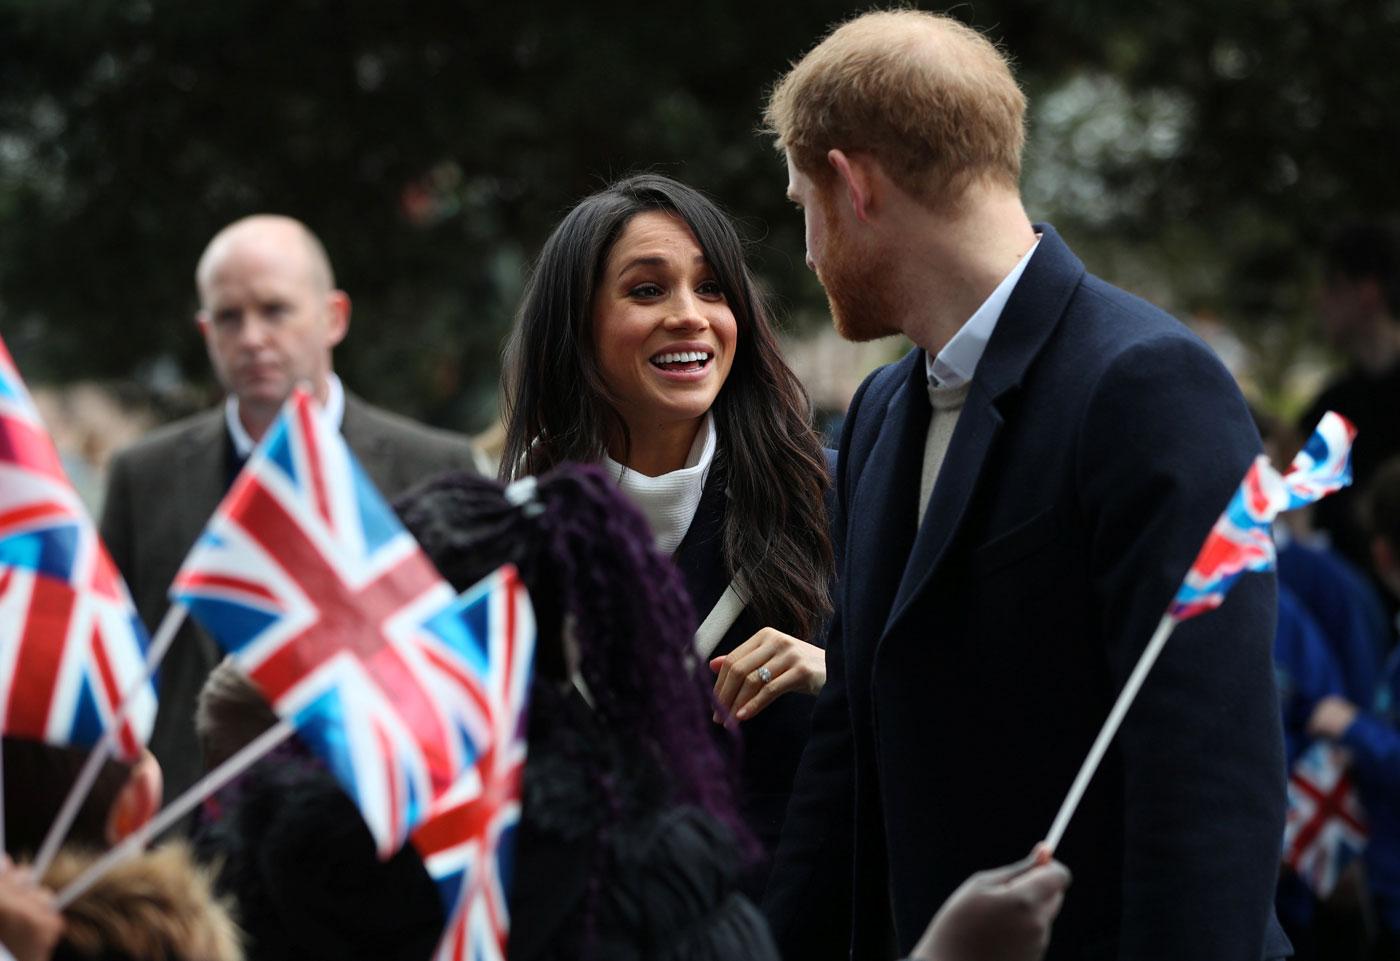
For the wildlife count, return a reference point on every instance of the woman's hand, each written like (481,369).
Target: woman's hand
(1003,914)
(30,925)
(791,665)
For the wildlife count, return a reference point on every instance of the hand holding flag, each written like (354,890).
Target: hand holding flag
(1325,827)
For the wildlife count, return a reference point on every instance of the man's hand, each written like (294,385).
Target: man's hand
(999,915)
(30,925)
(1331,718)
(767,665)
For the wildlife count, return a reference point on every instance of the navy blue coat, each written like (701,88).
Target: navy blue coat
(771,743)
(970,666)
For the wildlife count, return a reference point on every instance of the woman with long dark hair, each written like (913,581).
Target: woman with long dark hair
(643,344)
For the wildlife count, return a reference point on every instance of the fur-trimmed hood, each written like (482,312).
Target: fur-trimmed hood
(158,906)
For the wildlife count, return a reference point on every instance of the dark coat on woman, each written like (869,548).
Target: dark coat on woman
(770,744)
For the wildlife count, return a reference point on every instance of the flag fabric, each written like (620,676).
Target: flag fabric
(1326,826)
(71,643)
(328,605)
(1242,539)
(1323,466)
(467,842)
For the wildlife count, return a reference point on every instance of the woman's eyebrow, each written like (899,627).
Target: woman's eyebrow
(651,260)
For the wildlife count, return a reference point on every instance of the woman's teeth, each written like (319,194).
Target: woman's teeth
(681,357)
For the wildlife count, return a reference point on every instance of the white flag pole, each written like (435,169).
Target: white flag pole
(248,755)
(82,786)
(1110,728)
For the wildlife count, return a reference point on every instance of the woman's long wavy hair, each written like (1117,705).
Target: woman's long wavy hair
(558,407)
(585,555)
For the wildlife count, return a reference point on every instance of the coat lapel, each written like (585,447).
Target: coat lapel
(700,555)
(1030,315)
(978,425)
(203,467)
(367,443)
(881,527)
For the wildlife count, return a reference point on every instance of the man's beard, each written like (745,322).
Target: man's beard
(863,303)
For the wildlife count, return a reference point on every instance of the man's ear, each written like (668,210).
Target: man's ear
(858,180)
(138,800)
(201,320)
(338,307)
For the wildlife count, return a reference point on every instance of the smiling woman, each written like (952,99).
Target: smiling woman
(643,344)
(665,336)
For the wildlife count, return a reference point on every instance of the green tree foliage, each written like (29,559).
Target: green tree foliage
(1250,130)
(432,144)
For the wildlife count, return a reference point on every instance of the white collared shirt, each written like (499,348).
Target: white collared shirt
(957,361)
(333,412)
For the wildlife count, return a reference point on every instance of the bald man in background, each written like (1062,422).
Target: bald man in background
(271,315)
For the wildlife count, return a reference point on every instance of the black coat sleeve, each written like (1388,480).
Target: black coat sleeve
(1165,442)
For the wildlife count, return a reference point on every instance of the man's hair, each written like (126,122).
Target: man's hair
(930,98)
(38,777)
(1381,507)
(1366,250)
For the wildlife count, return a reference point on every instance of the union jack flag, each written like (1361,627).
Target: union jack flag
(71,644)
(467,842)
(1326,827)
(328,605)
(1242,539)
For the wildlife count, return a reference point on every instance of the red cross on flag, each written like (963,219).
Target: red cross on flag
(329,606)
(1326,827)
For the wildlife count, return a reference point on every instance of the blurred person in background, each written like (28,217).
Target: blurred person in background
(1371,731)
(1331,637)
(1360,313)
(157,905)
(270,314)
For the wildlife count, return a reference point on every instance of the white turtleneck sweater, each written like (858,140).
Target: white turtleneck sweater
(670,501)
